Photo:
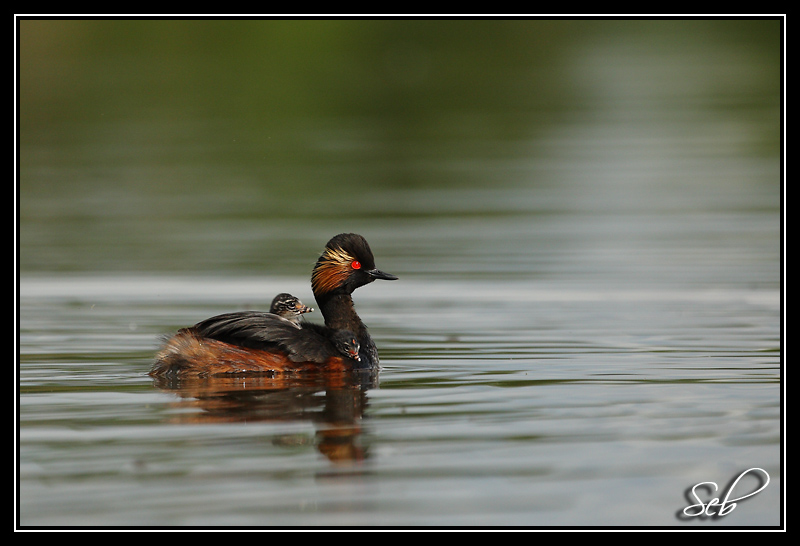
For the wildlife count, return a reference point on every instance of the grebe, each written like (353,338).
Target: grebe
(289,307)
(346,343)
(258,342)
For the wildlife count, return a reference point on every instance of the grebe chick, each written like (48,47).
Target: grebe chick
(258,342)
(289,307)
(346,343)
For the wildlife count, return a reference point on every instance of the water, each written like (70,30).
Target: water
(587,321)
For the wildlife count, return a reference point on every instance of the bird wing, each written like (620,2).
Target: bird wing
(255,326)
(267,331)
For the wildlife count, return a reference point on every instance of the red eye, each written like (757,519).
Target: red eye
(355,264)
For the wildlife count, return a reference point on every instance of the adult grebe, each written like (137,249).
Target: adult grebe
(258,342)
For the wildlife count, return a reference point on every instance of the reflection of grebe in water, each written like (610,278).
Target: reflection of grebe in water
(333,402)
(250,342)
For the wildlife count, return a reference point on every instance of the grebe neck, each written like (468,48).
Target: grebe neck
(340,313)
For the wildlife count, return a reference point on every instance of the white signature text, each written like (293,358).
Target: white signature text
(727,505)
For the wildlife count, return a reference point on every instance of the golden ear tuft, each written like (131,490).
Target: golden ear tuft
(331,271)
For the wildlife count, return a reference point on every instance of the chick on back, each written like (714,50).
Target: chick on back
(290,308)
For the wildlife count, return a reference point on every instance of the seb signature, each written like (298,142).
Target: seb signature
(727,505)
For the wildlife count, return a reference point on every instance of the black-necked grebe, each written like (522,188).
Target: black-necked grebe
(289,307)
(346,343)
(258,342)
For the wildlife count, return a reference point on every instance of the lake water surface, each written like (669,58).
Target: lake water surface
(587,320)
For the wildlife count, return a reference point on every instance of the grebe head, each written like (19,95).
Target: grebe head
(345,264)
(289,307)
(346,343)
